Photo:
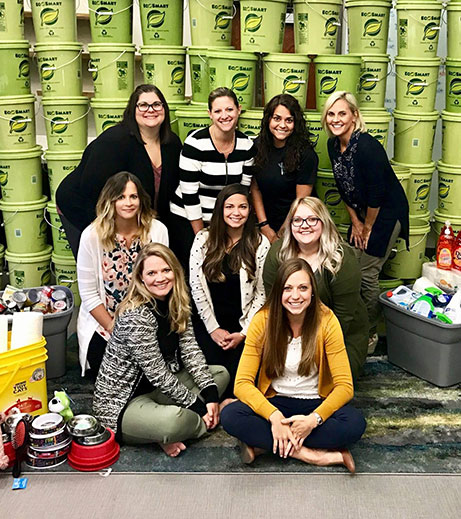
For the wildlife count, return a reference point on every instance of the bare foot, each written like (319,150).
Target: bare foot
(225,402)
(248,454)
(324,458)
(172,449)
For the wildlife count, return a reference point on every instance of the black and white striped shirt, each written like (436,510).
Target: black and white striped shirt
(203,172)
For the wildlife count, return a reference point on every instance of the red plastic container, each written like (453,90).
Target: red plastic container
(95,457)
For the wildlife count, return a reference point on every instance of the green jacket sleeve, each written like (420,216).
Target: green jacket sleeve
(270,266)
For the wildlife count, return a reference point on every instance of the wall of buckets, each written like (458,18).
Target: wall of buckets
(111,60)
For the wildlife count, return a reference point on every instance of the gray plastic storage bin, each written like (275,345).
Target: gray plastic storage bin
(55,333)
(425,347)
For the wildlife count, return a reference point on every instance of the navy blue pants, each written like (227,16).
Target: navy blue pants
(343,428)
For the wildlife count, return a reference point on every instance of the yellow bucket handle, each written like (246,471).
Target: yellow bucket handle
(13,374)
(296,81)
(112,13)
(338,23)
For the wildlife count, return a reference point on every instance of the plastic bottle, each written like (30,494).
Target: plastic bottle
(445,247)
(402,296)
(453,309)
(457,253)
(423,306)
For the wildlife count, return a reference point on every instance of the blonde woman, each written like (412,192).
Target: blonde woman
(294,381)
(374,197)
(309,233)
(108,249)
(154,385)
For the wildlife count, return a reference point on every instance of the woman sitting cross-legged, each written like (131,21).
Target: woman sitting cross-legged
(294,381)
(226,266)
(154,385)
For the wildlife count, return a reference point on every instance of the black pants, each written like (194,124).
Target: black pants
(73,234)
(96,350)
(181,237)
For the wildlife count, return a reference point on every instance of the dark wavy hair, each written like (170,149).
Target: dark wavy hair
(129,115)
(296,143)
(222,92)
(244,251)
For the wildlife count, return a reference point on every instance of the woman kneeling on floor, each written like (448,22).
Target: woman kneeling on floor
(298,407)
(154,385)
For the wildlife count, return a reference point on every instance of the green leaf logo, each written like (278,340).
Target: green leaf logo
(220,22)
(328,84)
(103,16)
(155,18)
(43,227)
(372,27)
(315,140)
(59,125)
(94,70)
(63,280)
(380,138)
(367,81)
(253,22)
(177,75)
(443,190)
(46,278)
(46,71)
(49,16)
(290,86)
(415,86)
(240,82)
(3,178)
(24,68)
(422,192)
(108,123)
(431,31)
(331,27)
(17,124)
(455,87)
(332,197)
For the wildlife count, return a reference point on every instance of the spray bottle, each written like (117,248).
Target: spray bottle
(445,247)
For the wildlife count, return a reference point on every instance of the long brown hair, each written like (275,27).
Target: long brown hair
(243,253)
(278,331)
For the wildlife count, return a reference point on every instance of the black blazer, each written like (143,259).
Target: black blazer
(116,150)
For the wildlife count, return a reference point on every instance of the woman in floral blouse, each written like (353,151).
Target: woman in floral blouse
(108,249)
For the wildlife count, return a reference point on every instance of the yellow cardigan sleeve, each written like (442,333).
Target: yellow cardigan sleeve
(250,363)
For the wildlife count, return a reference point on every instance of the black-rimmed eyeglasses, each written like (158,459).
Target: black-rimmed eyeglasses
(311,221)
(157,106)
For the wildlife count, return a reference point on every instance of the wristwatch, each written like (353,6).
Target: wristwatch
(319,418)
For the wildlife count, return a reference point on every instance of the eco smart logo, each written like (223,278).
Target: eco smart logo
(222,20)
(18,124)
(155,19)
(177,76)
(291,84)
(46,71)
(372,27)
(108,124)
(328,84)
(240,82)
(455,86)
(416,86)
(49,16)
(24,69)
(332,197)
(3,178)
(431,31)
(315,140)
(331,27)
(444,190)
(103,16)
(367,82)
(253,22)
(422,193)
(59,125)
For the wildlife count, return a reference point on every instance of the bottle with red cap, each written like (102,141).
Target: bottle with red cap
(445,247)
(457,252)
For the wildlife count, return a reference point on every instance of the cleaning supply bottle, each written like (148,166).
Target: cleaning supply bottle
(453,309)
(457,253)
(402,296)
(445,247)
(423,306)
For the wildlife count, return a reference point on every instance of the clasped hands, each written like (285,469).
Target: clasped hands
(360,234)
(226,340)
(289,433)
(211,419)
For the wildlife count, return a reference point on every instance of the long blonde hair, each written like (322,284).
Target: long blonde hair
(138,295)
(353,105)
(331,250)
(104,222)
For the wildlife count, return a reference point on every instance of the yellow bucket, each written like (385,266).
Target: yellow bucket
(23,379)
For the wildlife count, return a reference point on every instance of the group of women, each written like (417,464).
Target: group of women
(259,315)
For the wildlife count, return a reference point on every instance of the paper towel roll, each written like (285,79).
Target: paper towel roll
(3,333)
(27,329)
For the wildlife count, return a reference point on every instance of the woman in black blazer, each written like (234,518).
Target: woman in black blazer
(142,144)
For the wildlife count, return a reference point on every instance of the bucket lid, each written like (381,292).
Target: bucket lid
(29,257)
(367,3)
(24,206)
(108,103)
(419,224)
(417,168)
(17,100)
(65,101)
(307,2)
(448,168)
(282,58)
(376,116)
(232,54)
(111,47)
(51,207)
(453,7)
(62,155)
(63,260)
(439,217)
(418,4)
(453,62)
(380,58)
(330,59)
(325,173)
(196,111)
(423,116)
(401,171)
(418,62)
(162,49)
(14,44)
(313,115)
(66,45)
(31,153)
(252,114)
(198,50)
(450,116)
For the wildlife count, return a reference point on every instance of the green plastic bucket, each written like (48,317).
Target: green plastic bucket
(454,30)
(334,73)
(449,188)
(190,119)
(373,81)
(250,122)
(107,113)
(65,270)
(319,138)
(416,83)
(199,74)
(60,244)
(54,20)
(11,20)
(66,123)
(21,175)
(403,175)
(325,187)
(453,83)
(236,70)
(316,25)
(451,133)
(408,264)
(377,123)
(414,136)
(441,218)
(31,269)
(17,122)
(343,229)
(419,186)
(112,69)
(173,118)
(262,25)
(211,22)
(165,67)
(161,22)
(368,26)
(60,68)
(286,76)
(418,29)
(111,21)
(25,226)
(59,165)
(15,69)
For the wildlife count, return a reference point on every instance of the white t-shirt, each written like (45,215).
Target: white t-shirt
(291,383)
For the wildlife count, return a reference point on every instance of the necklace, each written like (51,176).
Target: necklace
(225,149)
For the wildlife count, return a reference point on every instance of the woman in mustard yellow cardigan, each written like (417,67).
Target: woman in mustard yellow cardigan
(294,381)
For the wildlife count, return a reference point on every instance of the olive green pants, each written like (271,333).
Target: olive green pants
(155,418)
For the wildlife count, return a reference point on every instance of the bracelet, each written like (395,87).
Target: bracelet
(262,224)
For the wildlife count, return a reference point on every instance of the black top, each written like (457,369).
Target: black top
(278,187)
(116,150)
(226,298)
(370,181)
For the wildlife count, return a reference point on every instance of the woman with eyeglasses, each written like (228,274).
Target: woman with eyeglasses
(310,233)
(285,163)
(143,144)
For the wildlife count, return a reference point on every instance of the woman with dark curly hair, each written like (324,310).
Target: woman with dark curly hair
(286,163)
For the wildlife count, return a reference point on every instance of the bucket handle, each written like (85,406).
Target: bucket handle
(377,80)
(234,10)
(13,374)
(422,22)
(9,219)
(25,120)
(297,82)
(69,122)
(338,23)
(408,128)
(29,5)
(422,83)
(413,246)
(49,223)
(62,280)
(112,13)
(64,64)
(96,69)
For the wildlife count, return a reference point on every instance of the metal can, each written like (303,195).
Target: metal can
(59,306)
(58,295)
(19,298)
(33,297)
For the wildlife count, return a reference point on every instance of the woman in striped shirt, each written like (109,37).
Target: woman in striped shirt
(211,158)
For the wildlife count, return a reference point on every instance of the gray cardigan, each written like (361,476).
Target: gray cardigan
(133,350)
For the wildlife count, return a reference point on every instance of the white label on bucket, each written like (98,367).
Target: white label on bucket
(415,143)
(18,233)
(33,179)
